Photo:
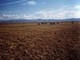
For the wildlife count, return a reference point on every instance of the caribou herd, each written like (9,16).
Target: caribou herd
(50,23)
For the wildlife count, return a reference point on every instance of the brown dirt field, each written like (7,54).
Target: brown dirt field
(30,41)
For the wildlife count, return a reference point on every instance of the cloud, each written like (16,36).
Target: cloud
(62,13)
(8,16)
(77,7)
(31,2)
(1,17)
(49,14)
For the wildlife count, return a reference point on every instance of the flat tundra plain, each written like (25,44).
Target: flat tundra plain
(40,41)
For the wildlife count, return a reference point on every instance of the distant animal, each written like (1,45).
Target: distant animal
(42,23)
(52,23)
(72,22)
(57,22)
(45,23)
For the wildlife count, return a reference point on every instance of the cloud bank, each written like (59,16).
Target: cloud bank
(63,13)
(31,2)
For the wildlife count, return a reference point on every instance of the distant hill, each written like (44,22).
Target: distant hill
(38,20)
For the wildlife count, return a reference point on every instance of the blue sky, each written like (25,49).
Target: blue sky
(39,9)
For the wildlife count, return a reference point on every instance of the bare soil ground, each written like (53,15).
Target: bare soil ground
(30,41)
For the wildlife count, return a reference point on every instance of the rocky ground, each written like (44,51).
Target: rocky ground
(40,42)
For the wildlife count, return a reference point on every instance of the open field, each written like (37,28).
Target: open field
(33,41)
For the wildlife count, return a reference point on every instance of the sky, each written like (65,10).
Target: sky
(39,9)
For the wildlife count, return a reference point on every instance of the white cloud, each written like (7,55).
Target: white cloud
(1,17)
(8,16)
(77,7)
(32,2)
(47,14)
